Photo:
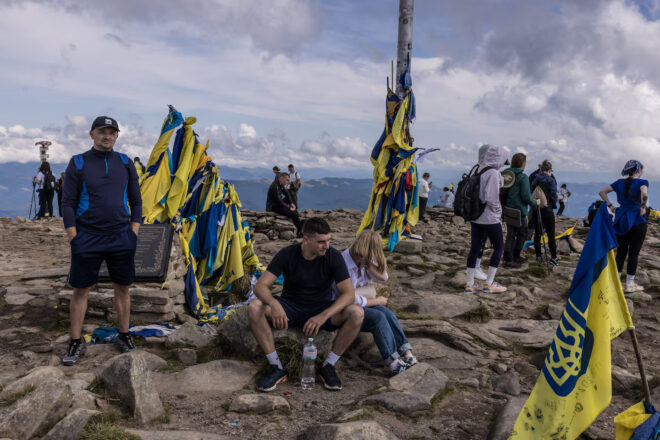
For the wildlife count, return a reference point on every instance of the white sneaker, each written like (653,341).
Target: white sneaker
(479,274)
(630,288)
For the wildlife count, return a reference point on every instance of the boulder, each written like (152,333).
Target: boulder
(440,355)
(287,235)
(459,280)
(219,376)
(501,429)
(236,329)
(447,305)
(409,246)
(37,412)
(177,435)
(35,378)
(412,390)
(359,430)
(189,334)
(186,356)
(508,383)
(71,426)
(258,403)
(128,377)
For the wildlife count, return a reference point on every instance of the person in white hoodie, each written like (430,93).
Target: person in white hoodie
(489,223)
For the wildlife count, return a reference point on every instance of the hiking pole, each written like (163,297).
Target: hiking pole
(640,365)
(32,202)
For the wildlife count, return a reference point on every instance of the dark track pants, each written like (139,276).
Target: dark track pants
(548,222)
(630,244)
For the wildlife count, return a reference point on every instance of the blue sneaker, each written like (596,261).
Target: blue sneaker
(273,377)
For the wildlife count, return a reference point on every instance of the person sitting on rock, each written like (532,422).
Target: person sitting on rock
(630,219)
(279,200)
(309,268)
(366,263)
(446,199)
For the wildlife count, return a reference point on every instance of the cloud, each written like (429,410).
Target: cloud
(4,188)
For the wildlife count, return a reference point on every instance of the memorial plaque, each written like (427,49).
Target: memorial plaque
(152,254)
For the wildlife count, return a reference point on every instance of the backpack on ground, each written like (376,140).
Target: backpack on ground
(467,203)
(50,182)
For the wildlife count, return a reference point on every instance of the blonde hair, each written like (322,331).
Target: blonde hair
(368,246)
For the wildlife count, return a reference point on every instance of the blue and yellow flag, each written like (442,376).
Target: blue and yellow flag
(575,384)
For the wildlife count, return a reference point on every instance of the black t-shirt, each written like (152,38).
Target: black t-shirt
(308,282)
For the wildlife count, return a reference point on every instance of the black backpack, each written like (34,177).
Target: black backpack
(50,182)
(467,203)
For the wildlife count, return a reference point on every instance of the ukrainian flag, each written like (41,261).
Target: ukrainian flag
(575,384)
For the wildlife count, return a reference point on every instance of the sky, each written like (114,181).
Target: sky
(304,81)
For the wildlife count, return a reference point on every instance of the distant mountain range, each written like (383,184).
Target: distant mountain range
(317,192)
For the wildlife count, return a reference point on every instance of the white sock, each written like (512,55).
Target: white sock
(470,276)
(491,275)
(478,265)
(331,359)
(630,279)
(274,359)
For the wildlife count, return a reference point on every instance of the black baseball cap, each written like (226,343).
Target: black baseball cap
(105,121)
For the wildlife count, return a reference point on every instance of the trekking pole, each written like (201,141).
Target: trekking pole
(32,202)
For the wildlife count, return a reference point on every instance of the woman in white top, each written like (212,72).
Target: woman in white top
(366,263)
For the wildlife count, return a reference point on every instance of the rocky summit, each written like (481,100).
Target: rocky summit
(479,354)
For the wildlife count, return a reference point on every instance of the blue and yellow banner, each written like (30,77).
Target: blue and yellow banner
(575,384)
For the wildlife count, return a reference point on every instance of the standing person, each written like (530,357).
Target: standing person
(47,183)
(446,199)
(102,215)
(366,263)
(519,197)
(632,194)
(489,223)
(279,200)
(58,189)
(309,268)
(424,190)
(562,196)
(276,171)
(548,184)
(139,167)
(296,183)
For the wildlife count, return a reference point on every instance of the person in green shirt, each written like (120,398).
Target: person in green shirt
(519,197)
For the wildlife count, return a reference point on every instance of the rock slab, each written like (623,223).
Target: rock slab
(349,431)
(219,376)
(71,426)
(129,378)
(501,429)
(258,403)
(177,435)
(189,335)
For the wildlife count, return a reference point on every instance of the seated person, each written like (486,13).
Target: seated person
(280,201)
(365,261)
(446,199)
(310,268)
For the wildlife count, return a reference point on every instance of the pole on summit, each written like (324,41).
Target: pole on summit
(404,46)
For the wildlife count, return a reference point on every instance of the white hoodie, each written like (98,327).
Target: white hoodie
(491,182)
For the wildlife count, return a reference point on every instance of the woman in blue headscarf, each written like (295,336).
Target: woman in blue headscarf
(632,193)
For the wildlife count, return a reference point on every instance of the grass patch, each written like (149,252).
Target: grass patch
(290,352)
(541,311)
(440,396)
(165,418)
(285,411)
(481,313)
(13,397)
(104,427)
(219,348)
(225,406)
(537,270)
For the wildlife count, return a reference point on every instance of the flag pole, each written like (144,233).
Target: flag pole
(640,365)
(404,46)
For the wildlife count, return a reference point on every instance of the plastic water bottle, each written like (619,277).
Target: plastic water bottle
(308,377)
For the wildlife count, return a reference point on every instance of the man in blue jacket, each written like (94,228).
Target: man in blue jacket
(102,211)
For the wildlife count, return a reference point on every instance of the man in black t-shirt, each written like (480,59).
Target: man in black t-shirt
(309,270)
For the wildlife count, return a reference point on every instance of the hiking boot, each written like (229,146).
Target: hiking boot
(475,288)
(540,260)
(410,360)
(633,287)
(521,260)
(494,288)
(328,376)
(479,274)
(554,262)
(74,352)
(512,265)
(124,343)
(273,377)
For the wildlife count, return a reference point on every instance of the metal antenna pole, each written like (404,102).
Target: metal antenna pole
(404,46)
